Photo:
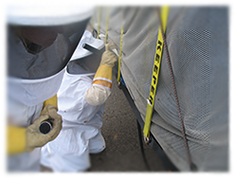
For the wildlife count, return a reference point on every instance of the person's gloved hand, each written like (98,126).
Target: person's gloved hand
(110,46)
(109,57)
(34,138)
(102,82)
(51,111)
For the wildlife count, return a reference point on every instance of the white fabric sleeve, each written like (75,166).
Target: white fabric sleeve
(97,95)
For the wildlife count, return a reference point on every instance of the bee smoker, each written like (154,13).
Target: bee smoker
(46,126)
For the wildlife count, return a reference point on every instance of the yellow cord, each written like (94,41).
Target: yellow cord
(120,57)
(107,26)
(99,20)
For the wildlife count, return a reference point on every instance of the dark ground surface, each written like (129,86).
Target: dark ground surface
(119,129)
(122,153)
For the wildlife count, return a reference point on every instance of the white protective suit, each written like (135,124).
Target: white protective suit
(25,97)
(25,102)
(80,134)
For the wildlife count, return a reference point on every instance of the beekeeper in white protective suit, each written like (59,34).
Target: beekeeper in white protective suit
(40,43)
(81,100)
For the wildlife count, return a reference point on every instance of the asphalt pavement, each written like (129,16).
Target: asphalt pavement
(122,153)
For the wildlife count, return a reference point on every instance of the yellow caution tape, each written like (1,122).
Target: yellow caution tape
(155,73)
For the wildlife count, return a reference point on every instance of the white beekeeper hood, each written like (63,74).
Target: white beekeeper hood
(33,78)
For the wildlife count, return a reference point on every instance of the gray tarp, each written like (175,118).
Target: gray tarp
(197,39)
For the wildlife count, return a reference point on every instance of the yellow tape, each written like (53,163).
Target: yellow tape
(120,57)
(155,73)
